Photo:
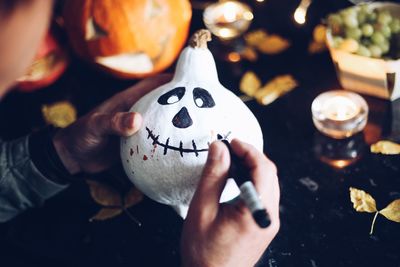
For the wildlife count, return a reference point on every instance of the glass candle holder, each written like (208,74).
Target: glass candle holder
(227,19)
(339,154)
(339,114)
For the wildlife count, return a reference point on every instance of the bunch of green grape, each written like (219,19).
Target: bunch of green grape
(365,31)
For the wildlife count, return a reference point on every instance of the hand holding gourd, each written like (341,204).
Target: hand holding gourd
(91,143)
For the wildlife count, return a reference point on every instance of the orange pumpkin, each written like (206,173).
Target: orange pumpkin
(129,38)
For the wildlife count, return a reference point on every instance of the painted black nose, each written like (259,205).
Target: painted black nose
(182,119)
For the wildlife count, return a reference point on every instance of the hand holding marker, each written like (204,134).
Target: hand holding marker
(248,193)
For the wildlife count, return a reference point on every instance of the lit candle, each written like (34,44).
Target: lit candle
(227,19)
(340,108)
(339,114)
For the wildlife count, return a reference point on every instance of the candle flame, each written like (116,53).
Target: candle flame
(340,108)
(300,13)
(230,11)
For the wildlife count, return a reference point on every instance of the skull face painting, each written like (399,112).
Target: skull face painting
(165,158)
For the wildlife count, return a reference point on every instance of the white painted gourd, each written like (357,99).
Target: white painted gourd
(165,158)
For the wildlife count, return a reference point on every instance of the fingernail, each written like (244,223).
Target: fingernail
(128,120)
(215,151)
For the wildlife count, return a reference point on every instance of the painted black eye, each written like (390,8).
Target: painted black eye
(172,96)
(202,98)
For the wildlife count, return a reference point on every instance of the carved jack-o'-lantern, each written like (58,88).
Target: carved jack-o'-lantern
(130,38)
(180,119)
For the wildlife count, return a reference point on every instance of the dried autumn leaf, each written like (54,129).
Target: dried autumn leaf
(60,114)
(254,38)
(362,201)
(385,147)
(392,211)
(273,44)
(250,83)
(319,33)
(104,194)
(105,214)
(133,197)
(275,88)
(111,200)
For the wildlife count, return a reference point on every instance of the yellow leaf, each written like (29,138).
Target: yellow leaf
(265,43)
(106,213)
(104,194)
(254,38)
(362,201)
(273,44)
(386,148)
(392,211)
(133,197)
(275,88)
(111,200)
(250,83)
(60,114)
(319,33)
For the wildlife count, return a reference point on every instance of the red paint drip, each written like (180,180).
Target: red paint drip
(145,157)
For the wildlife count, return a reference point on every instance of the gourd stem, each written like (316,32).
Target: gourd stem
(200,38)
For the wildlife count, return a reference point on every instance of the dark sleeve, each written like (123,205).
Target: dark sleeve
(30,173)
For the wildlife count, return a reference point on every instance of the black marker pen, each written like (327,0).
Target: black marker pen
(248,193)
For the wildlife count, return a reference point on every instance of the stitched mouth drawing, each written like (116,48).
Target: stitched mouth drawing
(180,149)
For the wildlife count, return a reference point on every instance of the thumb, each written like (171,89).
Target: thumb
(120,123)
(206,198)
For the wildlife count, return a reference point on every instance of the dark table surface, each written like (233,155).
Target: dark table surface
(319,225)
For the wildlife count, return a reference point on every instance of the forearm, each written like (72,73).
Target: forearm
(25,180)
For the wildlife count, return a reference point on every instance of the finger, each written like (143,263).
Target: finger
(134,93)
(206,198)
(120,123)
(264,176)
(261,168)
(131,123)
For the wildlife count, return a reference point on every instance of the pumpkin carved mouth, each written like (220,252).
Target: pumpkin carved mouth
(181,149)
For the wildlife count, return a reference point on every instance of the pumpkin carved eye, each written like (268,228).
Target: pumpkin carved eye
(202,98)
(94,30)
(172,96)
